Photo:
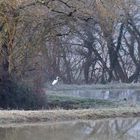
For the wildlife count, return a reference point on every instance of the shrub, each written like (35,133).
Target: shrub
(14,96)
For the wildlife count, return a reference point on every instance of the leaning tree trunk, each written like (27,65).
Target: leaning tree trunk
(113,56)
(4,66)
(4,55)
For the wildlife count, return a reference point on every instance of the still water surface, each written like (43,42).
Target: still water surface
(131,95)
(106,129)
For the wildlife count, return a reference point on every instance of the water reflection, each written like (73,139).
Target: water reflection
(115,94)
(108,129)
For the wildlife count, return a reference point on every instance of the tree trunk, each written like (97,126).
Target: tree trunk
(113,56)
(4,68)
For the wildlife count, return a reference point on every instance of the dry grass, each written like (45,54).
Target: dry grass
(16,116)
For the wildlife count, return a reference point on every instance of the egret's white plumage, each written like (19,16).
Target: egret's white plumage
(55,81)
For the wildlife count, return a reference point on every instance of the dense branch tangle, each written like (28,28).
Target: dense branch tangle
(81,41)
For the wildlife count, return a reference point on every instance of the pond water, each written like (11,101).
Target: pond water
(105,94)
(106,129)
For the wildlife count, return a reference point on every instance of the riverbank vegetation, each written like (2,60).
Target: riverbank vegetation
(66,102)
(15,96)
(16,116)
(82,42)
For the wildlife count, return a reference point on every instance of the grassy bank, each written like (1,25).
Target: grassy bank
(67,102)
(8,117)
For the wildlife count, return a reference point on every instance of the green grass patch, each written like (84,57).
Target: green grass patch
(66,102)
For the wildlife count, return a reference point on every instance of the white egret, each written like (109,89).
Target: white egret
(55,81)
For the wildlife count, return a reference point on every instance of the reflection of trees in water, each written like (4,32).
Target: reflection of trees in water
(114,130)
(132,95)
(107,129)
(8,134)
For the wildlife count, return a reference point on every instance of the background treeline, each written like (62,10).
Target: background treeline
(83,41)
(90,41)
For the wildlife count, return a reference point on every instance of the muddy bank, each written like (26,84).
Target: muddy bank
(15,116)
